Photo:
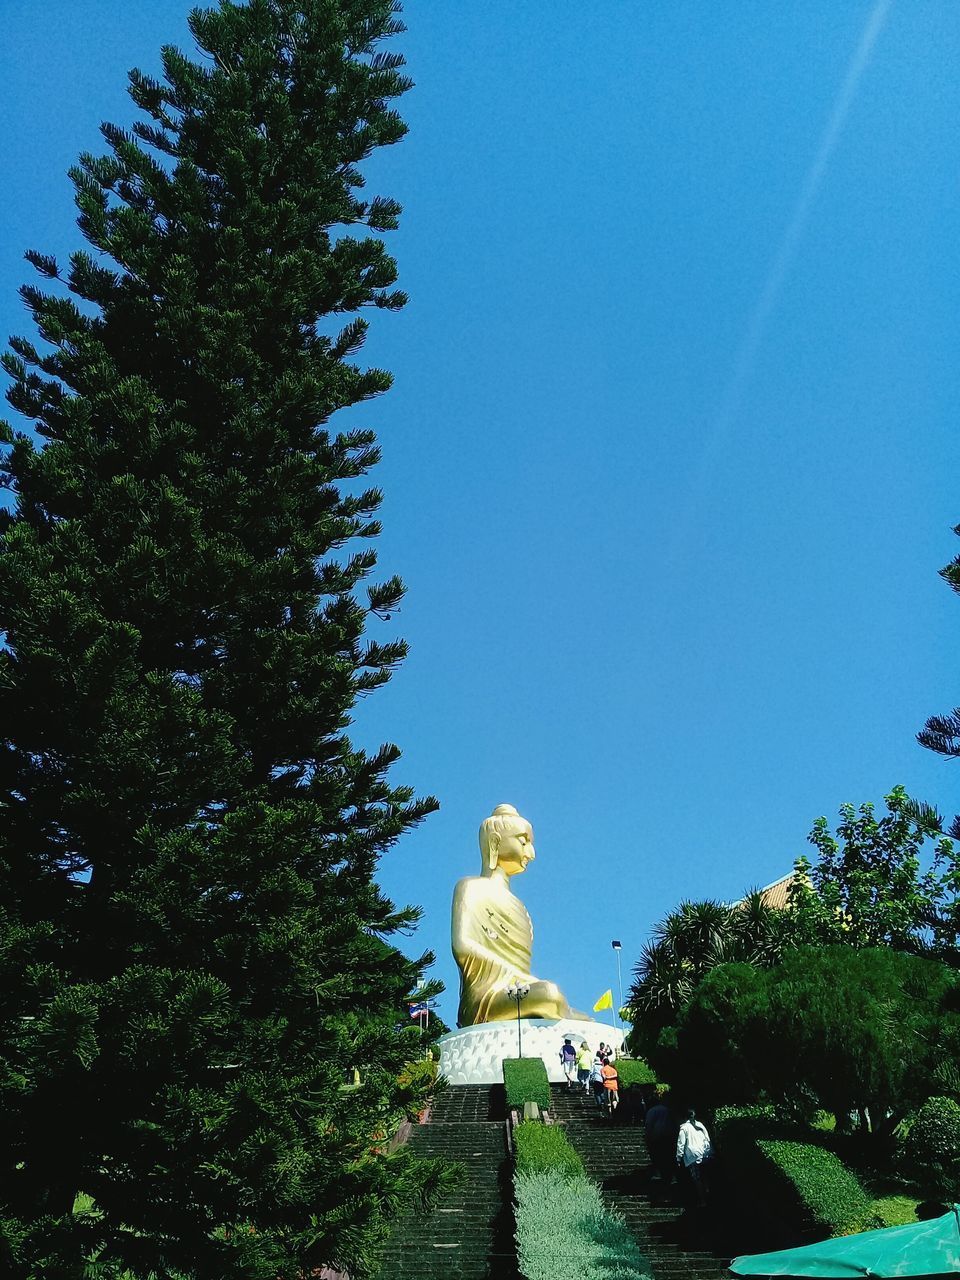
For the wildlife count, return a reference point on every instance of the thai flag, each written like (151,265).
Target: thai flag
(417,1009)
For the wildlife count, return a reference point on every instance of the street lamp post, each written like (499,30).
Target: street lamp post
(518,992)
(616,946)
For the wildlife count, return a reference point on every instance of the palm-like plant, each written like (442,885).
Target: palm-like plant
(663,980)
(691,941)
(695,929)
(760,930)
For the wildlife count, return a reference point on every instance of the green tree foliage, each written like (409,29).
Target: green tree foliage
(686,946)
(720,1025)
(869,887)
(888,881)
(417,1079)
(837,1027)
(193,948)
(931,1149)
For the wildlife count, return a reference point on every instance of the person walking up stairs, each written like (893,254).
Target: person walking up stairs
(681,1244)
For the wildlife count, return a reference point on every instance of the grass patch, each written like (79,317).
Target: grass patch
(525,1080)
(895,1211)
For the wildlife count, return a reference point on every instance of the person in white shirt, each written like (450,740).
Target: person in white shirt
(693,1150)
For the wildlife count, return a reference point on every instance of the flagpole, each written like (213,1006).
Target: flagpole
(617,948)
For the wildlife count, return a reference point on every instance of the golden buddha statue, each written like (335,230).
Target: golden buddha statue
(493,933)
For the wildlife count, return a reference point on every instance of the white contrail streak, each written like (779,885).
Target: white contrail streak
(746,356)
(787,249)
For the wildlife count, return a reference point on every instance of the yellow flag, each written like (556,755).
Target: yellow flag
(605,1001)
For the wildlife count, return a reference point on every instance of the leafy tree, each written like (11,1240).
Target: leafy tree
(836,1027)
(193,948)
(686,946)
(868,887)
(708,1057)
(931,1149)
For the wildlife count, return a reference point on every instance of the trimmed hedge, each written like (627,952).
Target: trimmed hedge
(563,1229)
(526,1081)
(832,1197)
(634,1071)
(801,1185)
(542,1146)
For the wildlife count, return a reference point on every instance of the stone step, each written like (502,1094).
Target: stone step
(470,1234)
(676,1243)
(469,1103)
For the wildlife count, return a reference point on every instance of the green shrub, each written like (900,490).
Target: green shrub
(931,1149)
(634,1071)
(563,1229)
(802,1187)
(418,1074)
(832,1199)
(545,1146)
(526,1081)
(738,1129)
(418,1083)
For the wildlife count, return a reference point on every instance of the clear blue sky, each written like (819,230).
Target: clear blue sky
(671,458)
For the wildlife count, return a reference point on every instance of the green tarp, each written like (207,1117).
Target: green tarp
(918,1249)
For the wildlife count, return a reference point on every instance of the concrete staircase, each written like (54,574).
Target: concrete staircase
(680,1243)
(470,1235)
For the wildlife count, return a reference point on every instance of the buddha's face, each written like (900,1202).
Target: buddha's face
(515,851)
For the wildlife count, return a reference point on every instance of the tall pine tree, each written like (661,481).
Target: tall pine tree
(193,948)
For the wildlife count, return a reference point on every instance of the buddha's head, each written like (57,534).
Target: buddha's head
(506,841)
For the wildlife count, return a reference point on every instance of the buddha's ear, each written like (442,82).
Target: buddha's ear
(494,850)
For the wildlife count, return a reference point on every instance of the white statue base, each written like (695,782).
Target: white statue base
(474,1055)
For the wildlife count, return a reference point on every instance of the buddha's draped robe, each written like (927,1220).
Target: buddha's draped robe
(493,944)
